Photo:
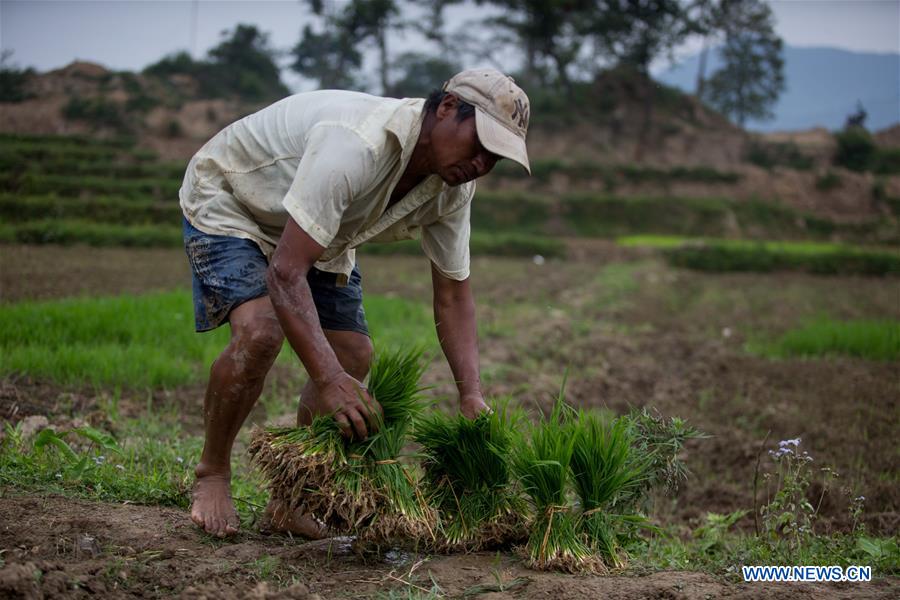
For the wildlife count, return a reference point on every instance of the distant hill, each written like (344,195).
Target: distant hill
(823,87)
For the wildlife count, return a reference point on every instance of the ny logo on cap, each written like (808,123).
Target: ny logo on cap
(521,112)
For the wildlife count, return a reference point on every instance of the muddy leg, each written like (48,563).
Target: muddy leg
(235,383)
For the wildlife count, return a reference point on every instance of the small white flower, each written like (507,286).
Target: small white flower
(538,259)
(120,467)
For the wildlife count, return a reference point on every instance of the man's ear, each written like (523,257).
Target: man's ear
(448,106)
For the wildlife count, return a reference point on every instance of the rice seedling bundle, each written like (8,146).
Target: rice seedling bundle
(542,465)
(358,487)
(606,472)
(468,479)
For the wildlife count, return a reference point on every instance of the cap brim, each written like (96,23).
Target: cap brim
(498,139)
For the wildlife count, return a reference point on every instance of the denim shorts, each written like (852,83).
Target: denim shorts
(228,271)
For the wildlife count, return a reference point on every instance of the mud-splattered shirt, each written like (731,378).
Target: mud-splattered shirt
(329,160)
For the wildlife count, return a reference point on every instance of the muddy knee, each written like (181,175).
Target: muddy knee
(353,350)
(256,337)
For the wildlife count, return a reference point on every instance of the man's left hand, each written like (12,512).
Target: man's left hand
(472,405)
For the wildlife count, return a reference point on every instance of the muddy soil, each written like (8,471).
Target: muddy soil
(55,547)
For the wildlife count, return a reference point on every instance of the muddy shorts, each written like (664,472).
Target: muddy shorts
(228,271)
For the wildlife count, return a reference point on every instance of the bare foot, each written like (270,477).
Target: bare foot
(211,506)
(279,519)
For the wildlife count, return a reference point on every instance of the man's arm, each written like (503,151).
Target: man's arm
(289,291)
(454,317)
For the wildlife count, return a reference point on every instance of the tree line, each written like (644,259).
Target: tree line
(558,45)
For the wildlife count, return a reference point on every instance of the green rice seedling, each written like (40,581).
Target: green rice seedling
(358,487)
(604,471)
(542,465)
(869,339)
(468,478)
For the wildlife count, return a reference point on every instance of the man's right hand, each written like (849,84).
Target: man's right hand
(350,403)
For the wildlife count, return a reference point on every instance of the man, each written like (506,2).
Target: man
(275,205)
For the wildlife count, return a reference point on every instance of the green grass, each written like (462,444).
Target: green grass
(797,247)
(51,213)
(69,232)
(63,165)
(149,340)
(870,339)
(89,185)
(146,460)
(764,256)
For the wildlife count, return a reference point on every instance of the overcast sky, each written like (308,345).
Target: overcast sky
(130,34)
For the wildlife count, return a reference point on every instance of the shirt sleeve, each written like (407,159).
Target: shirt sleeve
(336,167)
(446,241)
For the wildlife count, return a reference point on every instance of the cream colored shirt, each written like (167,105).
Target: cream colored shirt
(329,160)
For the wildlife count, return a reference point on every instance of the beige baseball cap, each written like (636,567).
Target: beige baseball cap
(501,111)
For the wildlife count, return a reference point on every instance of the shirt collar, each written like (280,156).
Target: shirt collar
(406,124)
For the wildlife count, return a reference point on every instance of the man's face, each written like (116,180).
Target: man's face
(457,155)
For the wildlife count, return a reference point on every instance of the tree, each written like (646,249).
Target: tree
(419,74)
(332,56)
(549,31)
(242,64)
(752,75)
(634,32)
(433,26)
(247,64)
(13,80)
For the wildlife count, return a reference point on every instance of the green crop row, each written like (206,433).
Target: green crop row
(31,151)
(599,215)
(720,257)
(68,231)
(149,340)
(81,186)
(763,256)
(796,247)
(543,169)
(73,231)
(12,162)
(63,141)
(122,211)
(870,339)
